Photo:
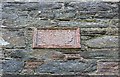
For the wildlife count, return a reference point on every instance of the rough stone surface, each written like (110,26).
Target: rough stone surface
(99,24)
(14,38)
(48,55)
(82,24)
(100,54)
(12,66)
(55,0)
(97,31)
(108,67)
(62,67)
(3,42)
(34,12)
(102,42)
(72,56)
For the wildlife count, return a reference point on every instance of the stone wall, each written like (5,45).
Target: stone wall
(56,0)
(99,26)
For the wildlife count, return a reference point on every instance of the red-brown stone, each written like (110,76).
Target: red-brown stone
(56,38)
(108,67)
(33,65)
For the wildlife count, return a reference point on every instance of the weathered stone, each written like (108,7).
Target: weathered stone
(82,24)
(9,16)
(61,67)
(85,37)
(68,13)
(68,38)
(57,56)
(1,56)
(20,54)
(51,5)
(47,54)
(114,23)
(33,13)
(58,0)
(100,54)
(96,19)
(35,23)
(108,15)
(26,6)
(32,64)
(12,66)
(108,67)
(103,42)
(39,6)
(27,72)
(99,31)
(46,16)
(1,71)
(7,22)
(65,14)
(72,56)
(57,6)
(15,38)
(3,42)
(70,51)
(93,6)
(97,15)
(60,14)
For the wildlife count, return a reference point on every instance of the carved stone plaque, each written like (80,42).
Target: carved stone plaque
(56,38)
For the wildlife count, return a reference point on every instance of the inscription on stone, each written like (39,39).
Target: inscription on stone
(56,38)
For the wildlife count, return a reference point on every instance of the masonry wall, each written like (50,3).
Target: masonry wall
(98,22)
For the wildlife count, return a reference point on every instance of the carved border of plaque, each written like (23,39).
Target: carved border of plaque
(64,37)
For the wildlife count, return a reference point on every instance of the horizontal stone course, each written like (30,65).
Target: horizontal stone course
(82,24)
(105,67)
(56,0)
(62,67)
(100,54)
(103,42)
(99,31)
(24,11)
(12,66)
(19,54)
(14,38)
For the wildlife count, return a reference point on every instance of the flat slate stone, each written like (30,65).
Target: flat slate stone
(111,67)
(103,42)
(3,42)
(12,66)
(56,38)
(67,67)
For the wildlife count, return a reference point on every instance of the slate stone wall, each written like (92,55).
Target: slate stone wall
(99,24)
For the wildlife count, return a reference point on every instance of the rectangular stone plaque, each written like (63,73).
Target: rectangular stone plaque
(56,38)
